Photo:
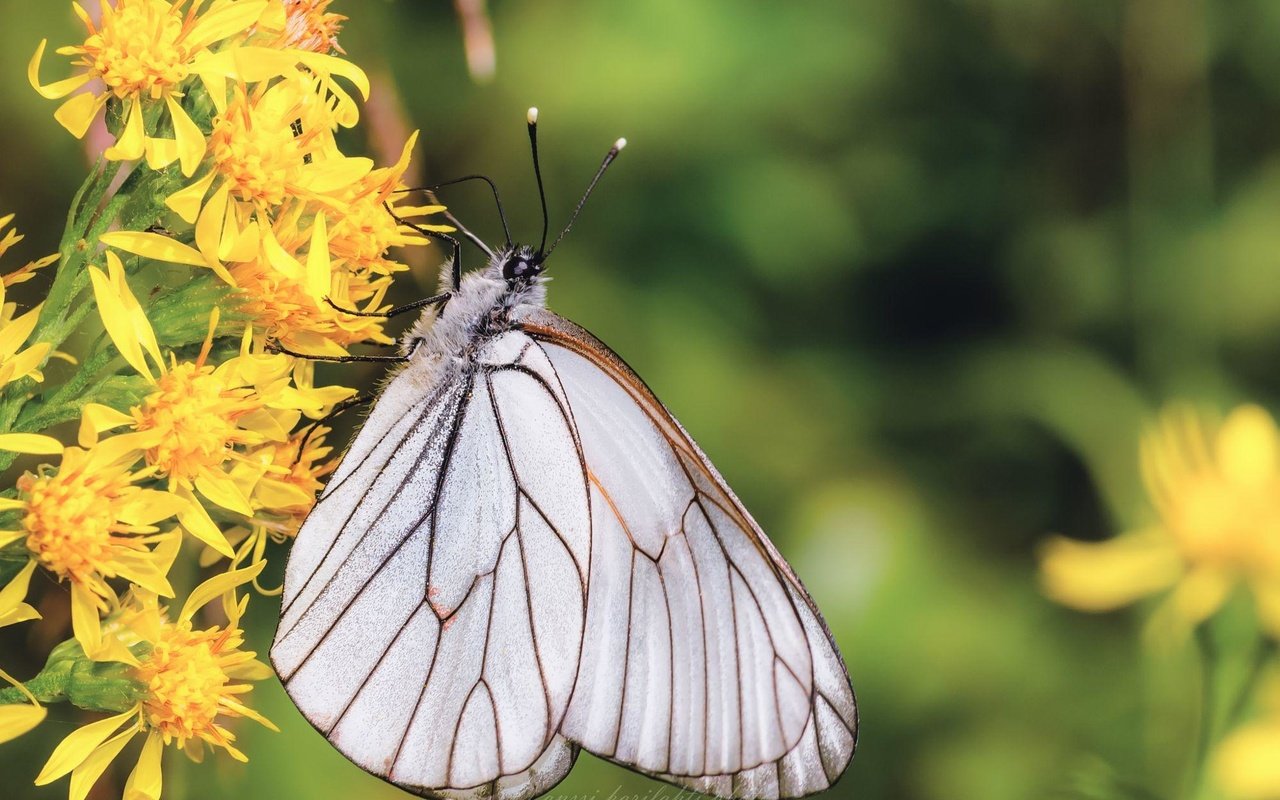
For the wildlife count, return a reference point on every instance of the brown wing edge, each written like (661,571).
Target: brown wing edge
(545,325)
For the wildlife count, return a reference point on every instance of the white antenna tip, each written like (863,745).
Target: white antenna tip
(621,143)
(532,116)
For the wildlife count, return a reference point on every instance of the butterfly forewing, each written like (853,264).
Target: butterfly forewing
(434,602)
(535,556)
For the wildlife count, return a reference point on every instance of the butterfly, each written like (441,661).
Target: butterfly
(523,555)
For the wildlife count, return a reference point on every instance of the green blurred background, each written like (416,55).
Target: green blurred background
(913,272)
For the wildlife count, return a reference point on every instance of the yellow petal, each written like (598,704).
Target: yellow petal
(1266,597)
(86,775)
(149,506)
(334,174)
(199,524)
(96,419)
(191,142)
(227,20)
(167,550)
(137,569)
(19,613)
(161,152)
(187,202)
(279,495)
(86,625)
(209,232)
(25,364)
(319,268)
(141,325)
(18,719)
(1201,593)
(217,586)
(16,590)
(16,332)
(276,255)
(222,490)
(78,112)
(131,144)
(116,319)
(325,64)
(1246,447)
(56,89)
(1246,765)
(79,745)
(145,782)
(1105,575)
(33,443)
(153,245)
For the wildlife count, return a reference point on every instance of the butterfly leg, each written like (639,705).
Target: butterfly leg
(276,347)
(338,408)
(443,297)
(430,234)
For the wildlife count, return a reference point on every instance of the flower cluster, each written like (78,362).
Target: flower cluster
(223,220)
(1215,491)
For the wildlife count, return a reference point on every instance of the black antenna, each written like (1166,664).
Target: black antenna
(608,159)
(532,116)
(497,200)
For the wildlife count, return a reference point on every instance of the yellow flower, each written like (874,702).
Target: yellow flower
(199,419)
(16,362)
(144,51)
(366,230)
(1216,490)
(195,681)
(87,522)
(285,291)
(16,719)
(270,145)
(1245,763)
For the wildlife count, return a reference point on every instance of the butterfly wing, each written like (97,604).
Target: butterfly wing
(705,662)
(433,606)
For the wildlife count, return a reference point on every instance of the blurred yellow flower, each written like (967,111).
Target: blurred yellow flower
(1247,761)
(1216,489)
(87,522)
(144,51)
(194,681)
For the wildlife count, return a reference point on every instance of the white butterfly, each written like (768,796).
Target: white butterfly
(523,554)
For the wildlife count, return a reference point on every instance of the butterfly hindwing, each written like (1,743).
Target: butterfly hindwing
(705,662)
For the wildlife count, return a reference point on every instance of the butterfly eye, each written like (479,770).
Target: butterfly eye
(520,267)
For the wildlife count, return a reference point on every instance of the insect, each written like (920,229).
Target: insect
(523,555)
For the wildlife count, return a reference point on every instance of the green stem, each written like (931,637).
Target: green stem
(1263,652)
(1208,672)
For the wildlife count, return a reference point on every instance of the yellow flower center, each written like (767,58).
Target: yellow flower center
(364,233)
(198,416)
(70,520)
(186,683)
(259,161)
(139,49)
(1218,521)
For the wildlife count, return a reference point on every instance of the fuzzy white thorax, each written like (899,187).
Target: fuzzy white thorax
(446,338)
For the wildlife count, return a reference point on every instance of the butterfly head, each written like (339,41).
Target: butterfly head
(522,264)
